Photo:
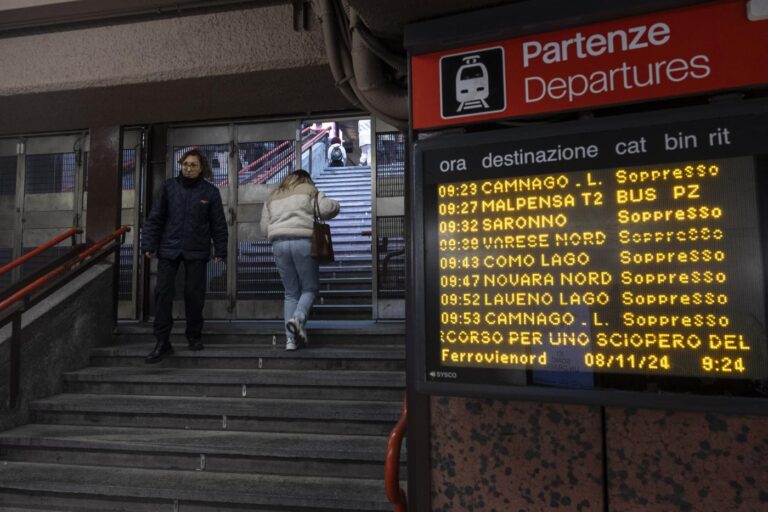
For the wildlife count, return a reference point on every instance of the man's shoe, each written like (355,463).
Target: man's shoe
(162,348)
(290,345)
(296,328)
(195,344)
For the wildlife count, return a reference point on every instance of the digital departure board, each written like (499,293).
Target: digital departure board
(617,267)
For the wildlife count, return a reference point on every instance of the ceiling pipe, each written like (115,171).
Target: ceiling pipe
(396,61)
(374,85)
(357,69)
(346,62)
(325,11)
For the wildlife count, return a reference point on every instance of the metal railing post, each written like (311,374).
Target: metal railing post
(14,373)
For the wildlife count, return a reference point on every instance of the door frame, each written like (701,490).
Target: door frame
(231,134)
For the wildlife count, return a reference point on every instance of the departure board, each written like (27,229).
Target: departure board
(635,277)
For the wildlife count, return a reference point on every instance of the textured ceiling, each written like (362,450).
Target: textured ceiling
(388,18)
(385,18)
(50,99)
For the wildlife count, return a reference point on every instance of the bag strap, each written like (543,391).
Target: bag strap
(317,209)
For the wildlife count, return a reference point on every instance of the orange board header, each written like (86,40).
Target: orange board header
(674,53)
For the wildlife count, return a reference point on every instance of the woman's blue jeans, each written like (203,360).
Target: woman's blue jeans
(300,275)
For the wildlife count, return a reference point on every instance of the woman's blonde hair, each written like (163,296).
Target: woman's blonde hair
(293,180)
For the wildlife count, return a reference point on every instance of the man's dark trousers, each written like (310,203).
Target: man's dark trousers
(194,296)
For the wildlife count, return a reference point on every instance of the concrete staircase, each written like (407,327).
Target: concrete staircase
(242,425)
(345,290)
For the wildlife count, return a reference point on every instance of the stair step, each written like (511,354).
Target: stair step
(341,249)
(356,203)
(346,265)
(331,184)
(353,258)
(350,224)
(243,414)
(350,311)
(345,281)
(223,356)
(351,192)
(364,301)
(356,210)
(346,183)
(363,196)
(325,384)
(347,172)
(336,293)
(244,286)
(36,509)
(248,335)
(327,341)
(108,489)
(344,270)
(340,219)
(199,450)
(336,179)
(262,249)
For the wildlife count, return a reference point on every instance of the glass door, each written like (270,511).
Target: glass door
(216,143)
(247,161)
(131,172)
(53,183)
(266,154)
(9,221)
(389,184)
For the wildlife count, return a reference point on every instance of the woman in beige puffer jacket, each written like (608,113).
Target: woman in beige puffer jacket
(287,219)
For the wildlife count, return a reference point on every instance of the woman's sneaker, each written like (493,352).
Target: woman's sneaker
(290,344)
(296,328)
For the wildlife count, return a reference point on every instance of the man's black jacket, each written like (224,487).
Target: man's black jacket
(185,217)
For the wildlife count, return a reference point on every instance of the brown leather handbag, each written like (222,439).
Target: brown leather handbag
(322,244)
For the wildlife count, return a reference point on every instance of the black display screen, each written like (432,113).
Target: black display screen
(617,268)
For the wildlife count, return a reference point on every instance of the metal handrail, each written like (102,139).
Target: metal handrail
(395,494)
(263,158)
(264,176)
(12,307)
(20,294)
(34,252)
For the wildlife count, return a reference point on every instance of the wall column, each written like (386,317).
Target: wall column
(104,198)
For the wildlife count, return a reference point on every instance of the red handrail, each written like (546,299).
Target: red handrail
(62,268)
(268,154)
(263,177)
(395,494)
(34,252)
(276,150)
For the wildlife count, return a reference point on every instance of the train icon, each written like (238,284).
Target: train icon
(472,87)
(472,83)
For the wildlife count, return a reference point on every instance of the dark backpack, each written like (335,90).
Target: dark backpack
(336,154)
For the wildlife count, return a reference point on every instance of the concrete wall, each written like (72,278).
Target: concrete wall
(243,63)
(505,456)
(223,43)
(58,335)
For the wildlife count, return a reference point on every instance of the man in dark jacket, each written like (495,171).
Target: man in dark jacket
(186,215)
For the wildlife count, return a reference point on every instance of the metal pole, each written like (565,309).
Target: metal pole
(15,360)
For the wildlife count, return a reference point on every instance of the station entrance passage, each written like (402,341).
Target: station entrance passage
(248,161)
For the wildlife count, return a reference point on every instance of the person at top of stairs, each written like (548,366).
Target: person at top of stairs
(337,155)
(287,219)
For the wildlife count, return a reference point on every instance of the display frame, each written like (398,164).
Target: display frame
(747,123)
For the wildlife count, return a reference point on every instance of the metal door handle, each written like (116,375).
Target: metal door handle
(232,216)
